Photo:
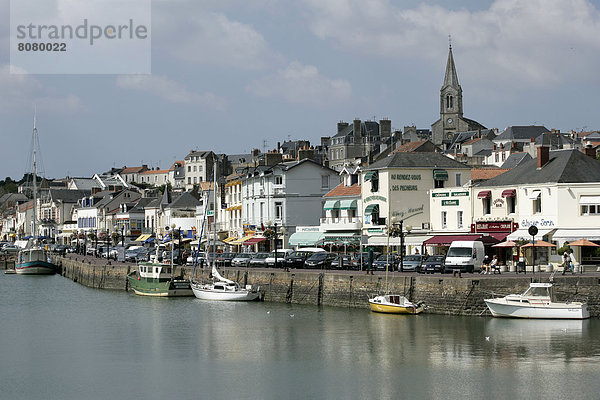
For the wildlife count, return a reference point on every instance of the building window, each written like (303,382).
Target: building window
(189,168)
(459,219)
(589,205)
(537,205)
(503,156)
(511,204)
(438,183)
(195,180)
(194,168)
(444,219)
(279,180)
(375,184)
(324,181)
(497,157)
(458,179)
(189,180)
(262,211)
(487,206)
(278,210)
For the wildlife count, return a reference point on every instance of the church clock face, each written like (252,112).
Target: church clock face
(449,120)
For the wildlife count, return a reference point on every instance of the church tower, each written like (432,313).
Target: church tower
(451,107)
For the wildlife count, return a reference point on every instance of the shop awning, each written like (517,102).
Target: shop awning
(331,205)
(589,200)
(341,238)
(446,240)
(305,238)
(440,174)
(348,205)
(574,234)
(142,238)
(254,240)
(372,209)
(484,194)
(230,239)
(534,195)
(241,240)
(370,175)
(524,234)
(509,193)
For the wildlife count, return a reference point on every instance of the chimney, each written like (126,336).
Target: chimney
(589,151)
(543,156)
(385,128)
(341,126)
(279,147)
(356,131)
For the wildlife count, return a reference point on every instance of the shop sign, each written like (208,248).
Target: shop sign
(450,202)
(493,226)
(442,194)
(454,194)
(374,198)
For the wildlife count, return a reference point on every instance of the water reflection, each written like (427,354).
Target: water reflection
(181,348)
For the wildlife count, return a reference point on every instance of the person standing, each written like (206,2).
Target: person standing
(566,262)
(370,261)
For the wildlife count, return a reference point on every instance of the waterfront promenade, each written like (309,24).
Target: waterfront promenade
(443,294)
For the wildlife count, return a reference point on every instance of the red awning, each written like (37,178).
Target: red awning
(499,236)
(253,241)
(484,194)
(509,193)
(446,240)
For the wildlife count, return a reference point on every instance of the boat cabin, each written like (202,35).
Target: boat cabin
(154,271)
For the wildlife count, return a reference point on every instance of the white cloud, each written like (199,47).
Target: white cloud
(523,43)
(169,90)
(21,90)
(211,38)
(299,83)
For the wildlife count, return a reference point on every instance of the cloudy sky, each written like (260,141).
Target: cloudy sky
(229,75)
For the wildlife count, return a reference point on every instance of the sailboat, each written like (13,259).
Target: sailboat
(393,303)
(221,288)
(33,259)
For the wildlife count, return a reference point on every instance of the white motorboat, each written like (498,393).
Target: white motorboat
(536,302)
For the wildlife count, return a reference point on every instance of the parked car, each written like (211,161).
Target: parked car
(10,249)
(61,249)
(201,258)
(320,260)
(342,261)
(411,263)
(241,260)
(433,264)
(142,255)
(296,259)
(258,260)
(224,259)
(355,262)
(132,253)
(381,262)
(281,253)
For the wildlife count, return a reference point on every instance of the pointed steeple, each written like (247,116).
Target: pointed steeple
(166,198)
(451,79)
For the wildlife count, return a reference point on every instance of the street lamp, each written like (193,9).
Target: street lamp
(122,235)
(399,231)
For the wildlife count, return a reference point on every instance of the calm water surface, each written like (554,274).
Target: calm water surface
(60,340)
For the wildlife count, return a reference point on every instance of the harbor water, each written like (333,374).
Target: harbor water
(60,340)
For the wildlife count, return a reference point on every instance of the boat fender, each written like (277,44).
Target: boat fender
(139,279)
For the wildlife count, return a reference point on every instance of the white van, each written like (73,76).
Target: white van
(465,256)
(281,253)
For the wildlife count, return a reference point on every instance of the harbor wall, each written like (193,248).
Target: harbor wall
(442,294)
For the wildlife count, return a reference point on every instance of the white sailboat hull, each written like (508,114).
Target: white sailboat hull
(502,307)
(208,292)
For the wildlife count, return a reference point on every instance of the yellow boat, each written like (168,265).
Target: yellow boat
(394,304)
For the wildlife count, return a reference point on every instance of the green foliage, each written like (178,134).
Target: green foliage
(562,250)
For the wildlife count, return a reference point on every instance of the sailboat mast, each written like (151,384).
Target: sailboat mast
(34,234)
(214,211)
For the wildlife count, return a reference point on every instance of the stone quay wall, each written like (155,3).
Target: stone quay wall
(442,294)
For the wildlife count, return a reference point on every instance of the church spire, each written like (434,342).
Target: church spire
(451,79)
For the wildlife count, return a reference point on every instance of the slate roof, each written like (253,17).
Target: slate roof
(411,146)
(186,200)
(86,183)
(554,139)
(342,190)
(68,196)
(564,166)
(416,160)
(14,197)
(521,132)
(515,159)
